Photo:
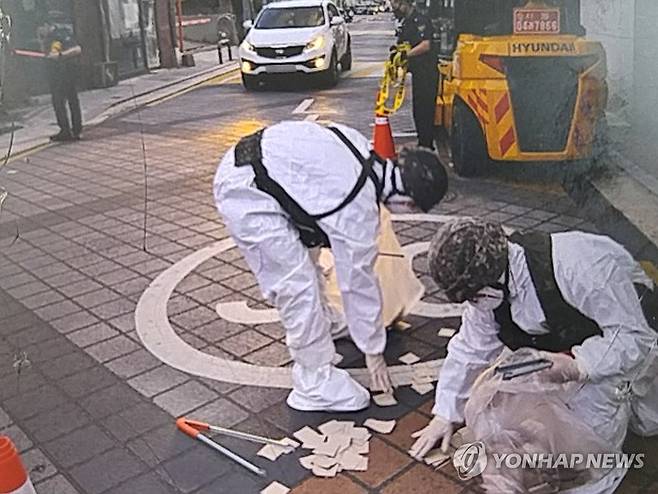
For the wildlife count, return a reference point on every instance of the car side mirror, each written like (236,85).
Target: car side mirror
(337,21)
(248,24)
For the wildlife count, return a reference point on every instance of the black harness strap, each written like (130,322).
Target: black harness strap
(567,326)
(249,152)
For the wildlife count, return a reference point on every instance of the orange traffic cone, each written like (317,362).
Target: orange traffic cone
(13,477)
(383,139)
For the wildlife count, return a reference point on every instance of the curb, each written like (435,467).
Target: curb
(622,205)
(136,102)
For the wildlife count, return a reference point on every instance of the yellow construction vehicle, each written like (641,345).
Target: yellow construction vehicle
(523,85)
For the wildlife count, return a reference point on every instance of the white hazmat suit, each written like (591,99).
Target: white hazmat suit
(318,171)
(596,276)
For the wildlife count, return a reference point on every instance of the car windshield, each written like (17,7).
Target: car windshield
(281,18)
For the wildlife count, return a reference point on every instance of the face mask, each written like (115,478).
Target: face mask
(488,298)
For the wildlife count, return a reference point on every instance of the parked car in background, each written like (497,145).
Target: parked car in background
(295,37)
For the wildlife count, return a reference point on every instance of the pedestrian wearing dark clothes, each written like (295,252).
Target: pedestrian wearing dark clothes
(62,55)
(416,29)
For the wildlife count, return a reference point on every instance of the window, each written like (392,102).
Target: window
(290,17)
(333,11)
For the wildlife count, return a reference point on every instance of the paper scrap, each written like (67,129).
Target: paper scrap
(309,438)
(360,434)
(338,358)
(360,449)
(401,325)
(354,462)
(324,472)
(447,332)
(272,452)
(436,457)
(422,388)
(381,426)
(324,461)
(336,427)
(307,461)
(385,400)
(275,488)
(461,437)
(327,448)
(409,358)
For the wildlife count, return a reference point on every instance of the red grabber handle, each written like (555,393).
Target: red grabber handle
(191,427)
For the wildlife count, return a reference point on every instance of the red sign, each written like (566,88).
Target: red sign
(536,21)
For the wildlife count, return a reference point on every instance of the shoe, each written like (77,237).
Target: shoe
(76,137)
(61,137)
(326,389)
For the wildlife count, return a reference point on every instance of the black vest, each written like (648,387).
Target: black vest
(567,326)
(248,152)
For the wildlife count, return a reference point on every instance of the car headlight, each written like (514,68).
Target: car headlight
(246,46)
(315,44)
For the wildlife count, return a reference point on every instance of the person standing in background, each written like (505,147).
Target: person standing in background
(62,56)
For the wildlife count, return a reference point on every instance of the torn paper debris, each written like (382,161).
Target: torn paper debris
(325,472)
(275,488)
(324,461)
(309,438)
(360,434)
(353,462)
(336,427)
(327,448)
(422,388)
(307,461)
(360,449)
(381,426)
(385,400)
(338,358)
(272,452)
(436,458)
(401,325)
(447,332)
(409,358)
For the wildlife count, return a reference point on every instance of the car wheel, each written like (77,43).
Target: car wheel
(330,76)
(250,82)
(467,143)
(346,61)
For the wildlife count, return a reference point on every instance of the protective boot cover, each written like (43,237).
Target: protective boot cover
(400,288)
(327,389)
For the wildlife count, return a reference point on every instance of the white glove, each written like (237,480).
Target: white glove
(565,369)
(426,438)
(380,380)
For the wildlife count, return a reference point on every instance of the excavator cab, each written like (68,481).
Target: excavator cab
(524,84)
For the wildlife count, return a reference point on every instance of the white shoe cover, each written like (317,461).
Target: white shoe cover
(326,389)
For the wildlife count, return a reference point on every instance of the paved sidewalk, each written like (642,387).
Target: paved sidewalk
(37,123)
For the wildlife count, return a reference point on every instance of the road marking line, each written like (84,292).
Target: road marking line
(303,106)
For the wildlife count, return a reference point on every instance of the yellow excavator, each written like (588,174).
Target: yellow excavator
(523,84)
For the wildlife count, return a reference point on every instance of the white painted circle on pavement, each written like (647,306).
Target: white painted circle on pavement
(157,335)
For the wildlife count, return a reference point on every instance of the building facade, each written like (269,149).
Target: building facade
(120,38)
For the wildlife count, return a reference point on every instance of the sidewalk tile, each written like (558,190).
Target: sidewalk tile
(4,419)
(338,485)
(57,310)
(97,297)
(276,355)
(132,422)
(149,483)
(28,290)
(19,437)
(30,403)
(383,463)
(86,382)
(244,343)
(56,485)
(195,468)
(29,336)
(56,422)
(67,365)
(188,396)
(113,309)
(107,470)
(92,334)
(112,348)
(157,381)
(420,480)
(220,412)
(74,321)
(38,466)
(132,364)
(257,399)
(401,435)
(109,401)
(218,330)
(81,444)
(238,481)
(194,318)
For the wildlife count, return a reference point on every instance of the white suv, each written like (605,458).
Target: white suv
(295,36)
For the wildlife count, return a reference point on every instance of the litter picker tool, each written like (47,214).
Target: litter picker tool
(193,429)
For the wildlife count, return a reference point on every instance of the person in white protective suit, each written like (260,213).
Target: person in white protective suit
(579,298)
(296,186)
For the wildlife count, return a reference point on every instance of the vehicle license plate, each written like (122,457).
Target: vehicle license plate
(536,21)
